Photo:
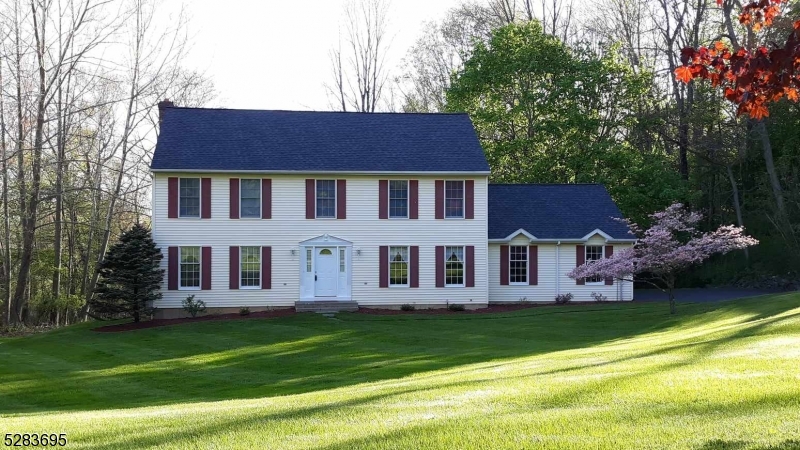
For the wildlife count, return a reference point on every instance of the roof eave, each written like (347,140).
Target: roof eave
(325,172)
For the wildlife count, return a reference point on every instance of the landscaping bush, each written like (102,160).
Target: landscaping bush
(598,297)
(524,300)
(193,306)
(407,307)
(455,307)
(244,311)
(563,299)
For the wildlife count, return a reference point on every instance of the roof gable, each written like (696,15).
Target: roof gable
(196,139)
(554,211)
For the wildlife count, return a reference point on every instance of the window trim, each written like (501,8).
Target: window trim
(463,269)
(527,267)
(408,267)
(463,200)
(199,198)
(241,267)
(199,263)
(389,201)
(335,198)
(586,259)
(260,200)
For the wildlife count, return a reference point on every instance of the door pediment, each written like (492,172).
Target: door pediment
(326,239)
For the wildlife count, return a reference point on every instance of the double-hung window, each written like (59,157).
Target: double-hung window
(250,267)
(454,266)
(326,199)
(594,253)
(453,199)
(398,199)
(250,198)
(518,264)
(189,197)
(190,268)
(398,266)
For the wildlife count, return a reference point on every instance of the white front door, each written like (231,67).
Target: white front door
(326,272)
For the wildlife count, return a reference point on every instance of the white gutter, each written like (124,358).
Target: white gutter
(312,172)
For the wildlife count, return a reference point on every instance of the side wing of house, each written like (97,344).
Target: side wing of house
(539,233)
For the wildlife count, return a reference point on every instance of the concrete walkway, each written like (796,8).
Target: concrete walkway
(699,294)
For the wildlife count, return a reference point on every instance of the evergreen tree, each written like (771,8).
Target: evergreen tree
(130,276)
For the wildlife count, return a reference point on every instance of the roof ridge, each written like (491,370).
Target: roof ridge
(318,112)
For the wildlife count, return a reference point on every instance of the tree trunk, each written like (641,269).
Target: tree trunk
(673,308)
(6,221)
(774,182)
(737,206)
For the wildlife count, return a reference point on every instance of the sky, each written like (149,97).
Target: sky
(274,54)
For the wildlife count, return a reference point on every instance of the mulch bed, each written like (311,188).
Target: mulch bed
(167,322)
(490,309)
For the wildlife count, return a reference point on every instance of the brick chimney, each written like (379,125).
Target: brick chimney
(166,103)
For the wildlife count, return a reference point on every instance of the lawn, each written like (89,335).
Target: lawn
(716,376)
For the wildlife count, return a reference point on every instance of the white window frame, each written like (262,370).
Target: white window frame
(408,200)
(586,259)
(241,267)
(260,202)
(463,199)
(408,266)
(199,198)
(527,267)
(463,266)
(335,198)
(200,268)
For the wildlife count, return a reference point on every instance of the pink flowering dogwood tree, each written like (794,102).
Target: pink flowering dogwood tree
(669,246)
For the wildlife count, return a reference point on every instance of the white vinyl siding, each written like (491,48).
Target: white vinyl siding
(553,277)
(289,227)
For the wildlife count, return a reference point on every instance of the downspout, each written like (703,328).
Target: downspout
(558,268)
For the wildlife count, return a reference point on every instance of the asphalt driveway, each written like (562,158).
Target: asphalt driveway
(699,294)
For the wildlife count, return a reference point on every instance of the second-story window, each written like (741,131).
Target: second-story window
(326,199)
(453,199)
(190,197)
(398,199)
(250,193)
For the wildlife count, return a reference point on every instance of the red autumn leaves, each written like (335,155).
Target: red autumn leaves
(751,79)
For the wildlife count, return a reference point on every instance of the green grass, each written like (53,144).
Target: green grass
(716,376)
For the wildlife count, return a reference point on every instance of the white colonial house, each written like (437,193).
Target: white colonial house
(273,209)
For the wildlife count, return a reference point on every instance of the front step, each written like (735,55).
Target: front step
(325,306)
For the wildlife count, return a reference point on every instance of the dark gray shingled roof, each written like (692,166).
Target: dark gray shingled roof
(304,141)
(553,211)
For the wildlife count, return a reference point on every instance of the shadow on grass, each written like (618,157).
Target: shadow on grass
(74,369)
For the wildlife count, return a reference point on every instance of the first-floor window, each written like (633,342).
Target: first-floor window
(190,267)
(398,266)
(454,266)
(594,253)
(518,264)
(250,266)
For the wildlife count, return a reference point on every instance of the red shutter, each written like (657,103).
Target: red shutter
(172,197)
(414,263)
(266,198)
(533,265)
(609,252)
(205,197)
(470,266)
(172,269)
(439,199)
(504,262)
(439,265)
(383,199)
(234,200)
(266,267)
(341,199)
(205,271)
(413,199)
(383,266)
(469,199)
(234,268)
(580,259)
(310,199)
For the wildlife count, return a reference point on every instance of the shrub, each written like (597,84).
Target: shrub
(524,300)
(193,306)
(598,297)
(563,299)
(245,311)
(455,307)
(407,307)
